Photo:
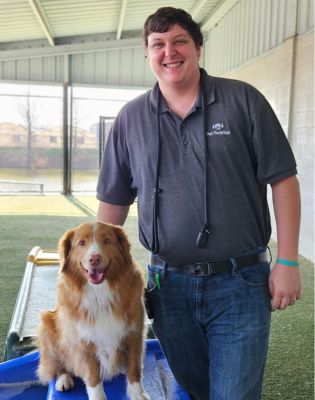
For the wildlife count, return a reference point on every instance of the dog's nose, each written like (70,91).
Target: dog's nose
(95,259)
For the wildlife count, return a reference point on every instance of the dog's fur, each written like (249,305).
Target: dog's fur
(97,329)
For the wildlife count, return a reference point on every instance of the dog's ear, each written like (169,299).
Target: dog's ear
(65,245)
(123,243)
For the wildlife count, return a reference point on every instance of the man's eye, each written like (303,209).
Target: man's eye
(82,243)
(157,45)
(181,41)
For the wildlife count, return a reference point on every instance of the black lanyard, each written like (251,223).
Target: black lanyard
(156,189)
(205,230)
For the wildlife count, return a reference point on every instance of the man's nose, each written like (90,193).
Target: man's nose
(169,49)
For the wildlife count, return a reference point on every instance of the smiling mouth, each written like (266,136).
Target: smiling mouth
(173,64)
(96,275)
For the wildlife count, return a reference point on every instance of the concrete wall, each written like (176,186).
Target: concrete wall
(302,136)
(285,75)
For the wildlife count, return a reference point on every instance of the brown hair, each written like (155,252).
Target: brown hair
(166,17)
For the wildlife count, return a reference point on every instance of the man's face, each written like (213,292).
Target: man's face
(173,57)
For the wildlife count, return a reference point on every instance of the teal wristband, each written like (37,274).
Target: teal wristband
(287,262)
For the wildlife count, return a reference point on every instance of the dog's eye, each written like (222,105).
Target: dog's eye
(82,243)
(106,241)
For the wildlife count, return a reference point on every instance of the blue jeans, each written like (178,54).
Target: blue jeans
(214,329)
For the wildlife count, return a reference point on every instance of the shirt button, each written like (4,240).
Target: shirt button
(185,142)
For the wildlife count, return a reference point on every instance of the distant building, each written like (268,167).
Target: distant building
(12,135)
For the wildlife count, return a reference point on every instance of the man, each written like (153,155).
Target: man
(198,153)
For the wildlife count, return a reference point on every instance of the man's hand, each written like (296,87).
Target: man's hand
(284,286)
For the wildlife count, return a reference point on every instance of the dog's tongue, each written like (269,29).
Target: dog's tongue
(96,276)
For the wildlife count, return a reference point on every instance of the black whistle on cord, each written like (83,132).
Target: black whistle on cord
(203,237)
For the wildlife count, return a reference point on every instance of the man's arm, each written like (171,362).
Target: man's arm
(112,213)
(284,281)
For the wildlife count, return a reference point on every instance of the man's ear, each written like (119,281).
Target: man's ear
(123,244)
(146,56)
(65,246)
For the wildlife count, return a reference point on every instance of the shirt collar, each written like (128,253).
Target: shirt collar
(207,85)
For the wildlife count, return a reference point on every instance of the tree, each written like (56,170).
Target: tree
(28,113)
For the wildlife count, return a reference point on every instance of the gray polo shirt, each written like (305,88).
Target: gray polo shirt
(247,150)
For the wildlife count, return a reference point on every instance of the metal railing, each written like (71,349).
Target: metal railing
(21,187)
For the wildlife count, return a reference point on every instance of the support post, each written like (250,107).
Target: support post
(67,100)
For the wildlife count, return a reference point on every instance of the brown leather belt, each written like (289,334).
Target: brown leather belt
(209,268)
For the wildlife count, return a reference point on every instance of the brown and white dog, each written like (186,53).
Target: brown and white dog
(97,329)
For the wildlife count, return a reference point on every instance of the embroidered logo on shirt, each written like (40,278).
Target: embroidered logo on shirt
(218,129)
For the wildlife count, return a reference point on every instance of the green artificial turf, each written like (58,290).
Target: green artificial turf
(290,363)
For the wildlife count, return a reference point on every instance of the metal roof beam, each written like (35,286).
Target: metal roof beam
(121,18)
(196,8)
(42,19)
(215,16)
(76,48)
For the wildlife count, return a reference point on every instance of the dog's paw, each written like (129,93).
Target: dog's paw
(136,392)
(64,382)
(96,392)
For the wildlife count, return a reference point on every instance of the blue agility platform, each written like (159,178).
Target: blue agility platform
(18,380)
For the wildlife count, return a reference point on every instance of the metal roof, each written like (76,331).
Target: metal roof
(54,22)
(99,42)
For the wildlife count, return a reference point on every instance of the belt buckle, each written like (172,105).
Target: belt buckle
(202,269)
